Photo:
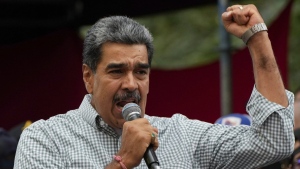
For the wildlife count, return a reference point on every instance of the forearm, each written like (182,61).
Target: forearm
(266,73)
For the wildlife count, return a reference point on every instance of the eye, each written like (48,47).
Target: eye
(142,72)
(116,71)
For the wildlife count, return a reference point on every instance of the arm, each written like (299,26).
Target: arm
(270,137)
(266,74)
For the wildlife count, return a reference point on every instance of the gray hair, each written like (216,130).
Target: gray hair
(116,29)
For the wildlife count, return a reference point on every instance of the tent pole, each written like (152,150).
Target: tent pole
(225,63)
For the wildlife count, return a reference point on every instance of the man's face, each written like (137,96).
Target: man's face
(297,97)
(121,77)
(296,164)
(297,111)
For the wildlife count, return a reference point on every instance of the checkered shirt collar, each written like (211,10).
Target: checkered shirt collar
(91,116)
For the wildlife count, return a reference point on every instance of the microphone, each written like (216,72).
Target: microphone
(132,111)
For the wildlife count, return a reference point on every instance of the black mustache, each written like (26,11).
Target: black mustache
(127,95)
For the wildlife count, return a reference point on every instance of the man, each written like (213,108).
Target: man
(297,108)
(295,157)
(293,162)
(116,67)
(8,145)
(234,119)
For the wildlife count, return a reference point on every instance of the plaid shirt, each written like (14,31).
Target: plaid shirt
(81,139)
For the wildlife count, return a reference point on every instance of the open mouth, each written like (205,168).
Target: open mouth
(122,103)
(122,98)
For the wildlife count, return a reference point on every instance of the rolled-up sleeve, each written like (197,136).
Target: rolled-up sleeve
(273,124)
(269,139)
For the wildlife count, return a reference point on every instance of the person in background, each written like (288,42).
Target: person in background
(295,158)
(234,119)
(293,162)
(296,154)
(8,144)
(116,70)
(297,108)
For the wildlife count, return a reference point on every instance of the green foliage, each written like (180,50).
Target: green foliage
(190,37)
(184,39)
(294,48)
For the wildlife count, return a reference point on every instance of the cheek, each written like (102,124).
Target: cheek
(144,89)
(145,86)
(107,86)
(104,92)
(297,144)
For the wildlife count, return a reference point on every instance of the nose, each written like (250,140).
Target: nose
(129,82)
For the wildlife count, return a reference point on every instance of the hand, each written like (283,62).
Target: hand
(136,138)
(239,18)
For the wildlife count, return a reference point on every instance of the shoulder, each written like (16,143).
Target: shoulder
(174,117)
(61,123)
(176,120)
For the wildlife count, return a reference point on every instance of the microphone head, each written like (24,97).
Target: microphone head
(131,109)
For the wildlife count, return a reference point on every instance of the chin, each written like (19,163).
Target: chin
(119,123)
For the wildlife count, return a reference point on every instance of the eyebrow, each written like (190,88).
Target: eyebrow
(114,65)
(143,65)
(120,65)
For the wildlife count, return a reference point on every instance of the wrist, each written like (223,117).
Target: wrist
(255,29)
(116,163)
(119,160)
(259,40)
(128,159)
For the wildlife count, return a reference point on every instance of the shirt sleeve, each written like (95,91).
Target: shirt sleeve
(36,150)
(269,138)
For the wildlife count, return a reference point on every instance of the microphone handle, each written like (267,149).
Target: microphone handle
(150,158)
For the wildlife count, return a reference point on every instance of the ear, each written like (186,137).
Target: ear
(88,78)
